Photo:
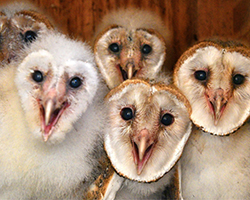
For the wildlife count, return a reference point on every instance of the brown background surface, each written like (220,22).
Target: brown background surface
(189,20)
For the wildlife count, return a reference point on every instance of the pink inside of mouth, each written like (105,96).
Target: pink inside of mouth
(211,107)
(124,73)
(53,119)
(141,163)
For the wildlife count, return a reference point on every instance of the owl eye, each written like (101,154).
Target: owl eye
(200,75)
(114,47)
(167,119)
(127,113)
(37,76)
(238,79)
(146,49)
(75,82)
(30,36)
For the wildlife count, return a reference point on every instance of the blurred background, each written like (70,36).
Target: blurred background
(189,20)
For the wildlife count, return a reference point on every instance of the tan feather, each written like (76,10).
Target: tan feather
(127,44)
(214,76)
(21,23)
(148,127)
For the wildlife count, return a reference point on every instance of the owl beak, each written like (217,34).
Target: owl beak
(143,145)
(217,101)
(219,106)
(130,70)
(130,59)
(51,113)
(51,110)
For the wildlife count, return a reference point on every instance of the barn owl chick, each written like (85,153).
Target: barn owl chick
(148,127)
(214,76)
(131,43)
(20,24)
(50,128)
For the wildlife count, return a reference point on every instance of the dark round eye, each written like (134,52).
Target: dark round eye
(37,76)
(146,49)
(127,113)
(238,79)
(75,82)
(167,119)
(114,47)
(200,75)
(30,36)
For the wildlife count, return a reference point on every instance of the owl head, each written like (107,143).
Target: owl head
(57,80)
(148,127)
(215,78)
(131,43)
(20,24)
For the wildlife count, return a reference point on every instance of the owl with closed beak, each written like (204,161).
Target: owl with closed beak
(215,78)
(20,24)
(131,43)
(147,130)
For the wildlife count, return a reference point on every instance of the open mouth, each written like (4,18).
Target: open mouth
(143,161)
(216,109)
(54,118)
(212,107)
(125,74)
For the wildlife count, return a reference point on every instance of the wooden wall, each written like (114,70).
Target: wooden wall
(189,20)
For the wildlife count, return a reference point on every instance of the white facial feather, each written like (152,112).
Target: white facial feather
(216,167)
(128,47)
(32,168)
(221,65)
(55,67)
(148,109)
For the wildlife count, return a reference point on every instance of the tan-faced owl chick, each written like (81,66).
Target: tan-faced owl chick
(20,24)
(147,130)
(215,78)
(131,43)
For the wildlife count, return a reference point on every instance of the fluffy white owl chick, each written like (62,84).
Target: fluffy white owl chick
(20,24)
(131,43)
(50,120)
(214,76)
(148,128)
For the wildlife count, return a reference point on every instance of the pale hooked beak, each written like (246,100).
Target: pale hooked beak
(142,147)
(52,106)
(218,105)
(130,59)
(49,109)
(50,116)
(130,68)
(142,144)
(128,71)
(217,100)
